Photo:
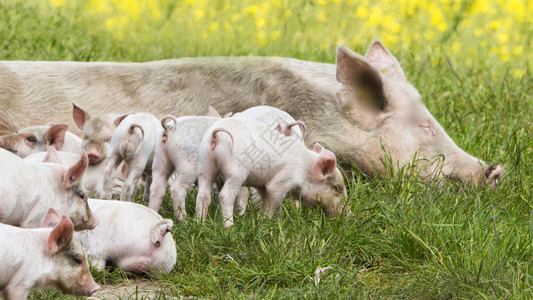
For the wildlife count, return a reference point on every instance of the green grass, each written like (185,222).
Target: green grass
(406,240)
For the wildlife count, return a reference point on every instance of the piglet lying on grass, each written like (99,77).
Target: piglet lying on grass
(44,257)
(134,142)
(130,236)
(41,138)
(247,152)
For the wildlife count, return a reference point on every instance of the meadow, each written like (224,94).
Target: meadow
(471,61)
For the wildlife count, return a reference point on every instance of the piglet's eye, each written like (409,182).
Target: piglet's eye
(77,260)
(31,139)
(107,139)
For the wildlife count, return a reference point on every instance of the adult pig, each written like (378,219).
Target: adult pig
(355,108)
(43,257)
(28,190)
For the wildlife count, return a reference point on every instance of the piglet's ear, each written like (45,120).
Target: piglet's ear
(119,119)
(325,165)
(52,219)
(159,230)
(75,172)
(79,115)
(61,235)
(212,112)
(55,136)
(318,148)
(51,156)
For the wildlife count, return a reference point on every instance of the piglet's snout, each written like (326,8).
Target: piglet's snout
(94,157)
(91,290)
(492,175)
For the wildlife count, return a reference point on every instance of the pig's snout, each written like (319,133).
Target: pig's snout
(94,157)
(94,223)
(492,175)
(91,290)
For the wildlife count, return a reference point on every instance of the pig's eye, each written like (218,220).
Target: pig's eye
(77,260)
(32,139)
(428,128)
(81,194)
(107,139)
(85,137)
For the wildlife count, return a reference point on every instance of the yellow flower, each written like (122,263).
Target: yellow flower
(274,35)
(199,14)
(213,27)
(519,73)
(57,3)
(517,50)
(362,12)
(321,16)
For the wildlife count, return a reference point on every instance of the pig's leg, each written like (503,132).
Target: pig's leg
(242,200)
(233,187)
(135,170)
(135,264)
(15,293)
(147,185)
(161,171)
(207,172)
(276,190)
(178,191)
(113,161)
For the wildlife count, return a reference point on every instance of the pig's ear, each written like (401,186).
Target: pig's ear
(119,119)
(61,235)
(75,172)
(212,112)
(381,58)
(318,148)
(55,136)
(228,115)
(355,71)
(325,165)
(52,219)
(51,156)
(280,128)
(79,115)
(159,230)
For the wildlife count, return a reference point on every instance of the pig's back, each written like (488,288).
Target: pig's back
(43,92)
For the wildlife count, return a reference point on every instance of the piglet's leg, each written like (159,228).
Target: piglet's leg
(16,293)
(203,200)
(147,185)
(178,191)
(135,264)
(242,201)
(135,170)
(230,191)
(109,174)
(161,171)
(276,190)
